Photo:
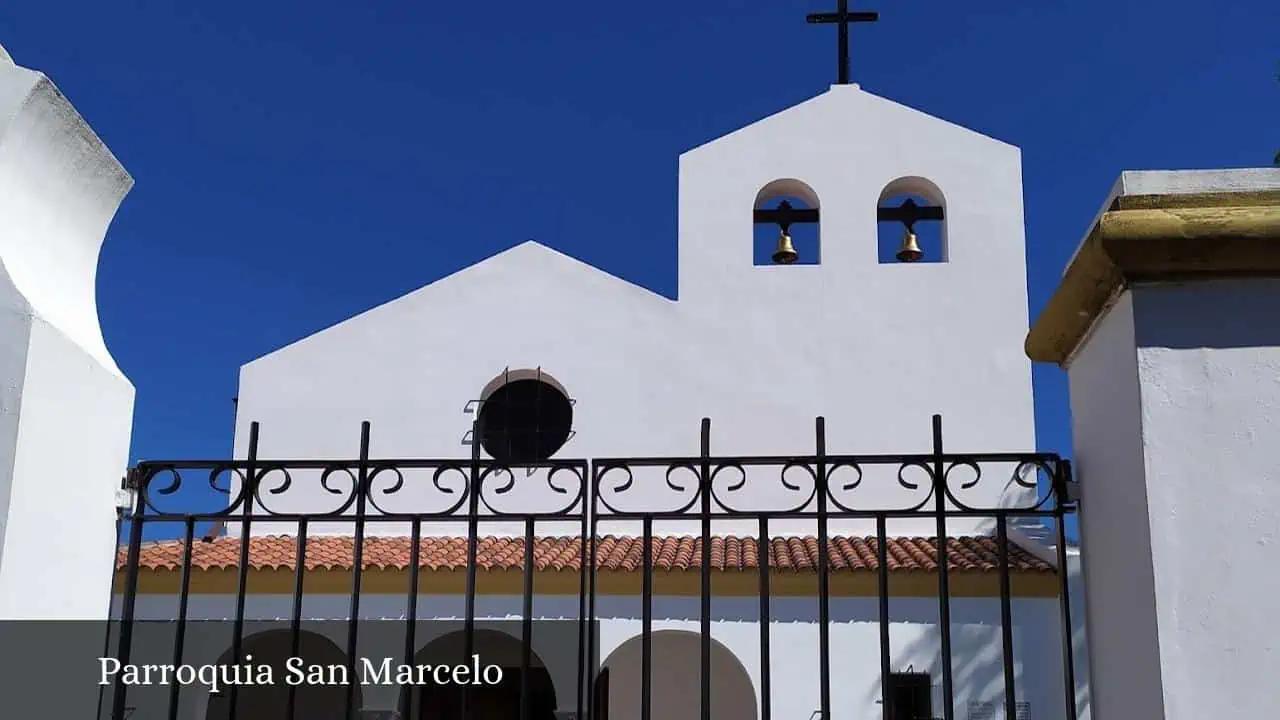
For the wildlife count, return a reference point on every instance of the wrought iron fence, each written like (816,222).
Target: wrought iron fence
(819,488)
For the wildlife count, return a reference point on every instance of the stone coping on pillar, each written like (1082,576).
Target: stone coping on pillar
(1162,226)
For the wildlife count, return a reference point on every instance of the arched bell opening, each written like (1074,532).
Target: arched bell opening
(911,222)
(786,220)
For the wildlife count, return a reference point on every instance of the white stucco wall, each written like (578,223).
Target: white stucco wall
(1209,363)
(1116,539)
(875,348)
(1174,399)
(65,408)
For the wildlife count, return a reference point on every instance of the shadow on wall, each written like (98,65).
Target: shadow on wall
(1183,319)
(978,674)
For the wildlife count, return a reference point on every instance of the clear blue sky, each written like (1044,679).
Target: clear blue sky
(299,163)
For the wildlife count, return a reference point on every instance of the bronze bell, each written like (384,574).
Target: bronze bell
(910,250)
(786,252)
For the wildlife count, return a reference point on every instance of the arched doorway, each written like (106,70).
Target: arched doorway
(269,702)
(676,684)
(491,702)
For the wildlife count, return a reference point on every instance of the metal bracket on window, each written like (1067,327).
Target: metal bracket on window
(1073,491)
(127,494)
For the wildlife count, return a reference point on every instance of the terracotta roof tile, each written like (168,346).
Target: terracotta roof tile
(800,554)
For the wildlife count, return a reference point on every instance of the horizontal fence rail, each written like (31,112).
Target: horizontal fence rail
(600,498)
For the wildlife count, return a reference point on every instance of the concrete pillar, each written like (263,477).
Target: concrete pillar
(1168,323)
(66,410)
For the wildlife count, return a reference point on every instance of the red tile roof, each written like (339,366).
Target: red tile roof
(800,554)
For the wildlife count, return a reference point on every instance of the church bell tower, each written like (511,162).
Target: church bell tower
(908,295)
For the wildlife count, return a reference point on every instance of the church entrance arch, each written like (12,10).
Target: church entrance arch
(271,701)
(676,685)
(500,701)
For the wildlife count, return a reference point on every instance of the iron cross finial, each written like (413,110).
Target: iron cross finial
(842,17)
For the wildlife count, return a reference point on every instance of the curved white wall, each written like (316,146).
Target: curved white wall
(65,408)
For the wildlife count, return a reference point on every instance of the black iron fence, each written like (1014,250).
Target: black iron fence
(590,496)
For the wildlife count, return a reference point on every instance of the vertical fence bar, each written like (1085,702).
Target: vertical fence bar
(295,614)
(411,614)
(473,530)
(1061,491)
(184,598)
(127,610)
(824,580)
(593,662)
(882,595)
(705,619)
(526,620)
(250,492)
(763,555)
(1006,617)
(944,587)
(584,685)
(357,564)
(111,597)
(646,622)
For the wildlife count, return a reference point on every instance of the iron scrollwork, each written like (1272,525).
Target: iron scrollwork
(670,487)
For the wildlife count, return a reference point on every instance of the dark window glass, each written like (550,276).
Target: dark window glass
(910,696)
(525,421)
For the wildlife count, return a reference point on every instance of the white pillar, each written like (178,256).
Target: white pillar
(66,410)
(1168,323)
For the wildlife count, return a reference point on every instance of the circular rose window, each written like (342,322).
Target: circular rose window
(525,417)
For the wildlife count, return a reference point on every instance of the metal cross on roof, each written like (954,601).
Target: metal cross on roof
(843,17)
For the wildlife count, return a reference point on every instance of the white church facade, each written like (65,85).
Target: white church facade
(550,358)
